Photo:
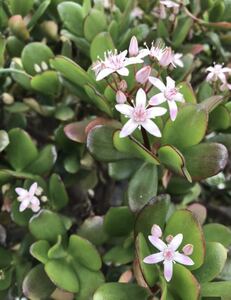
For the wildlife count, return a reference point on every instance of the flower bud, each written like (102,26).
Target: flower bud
(7,98)
(133,47)
(188,249)
(18,27)
(156,231)
(143,74)
(50,29)
(123,85)
(167,57)
(120,97)
(169,238)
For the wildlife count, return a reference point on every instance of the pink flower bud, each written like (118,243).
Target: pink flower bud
(143,74)
(120,97)
(188,249)
(167,57)
(123,85)
(133,47)
(156,231)
(18,27)
(169,238)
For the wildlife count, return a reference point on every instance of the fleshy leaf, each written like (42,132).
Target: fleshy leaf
(215,232)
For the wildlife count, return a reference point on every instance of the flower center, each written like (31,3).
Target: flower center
(168,254)
(170,94)
(139,114)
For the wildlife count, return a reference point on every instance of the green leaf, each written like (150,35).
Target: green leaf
(143,186)
(215,259)
(188,129)
(219,118)
(205,160)
(71,71)
(152,214)
(21,7)
(120,291)
(5,257)
(20,143)
(124,169)
(46,83)
(6,280)
(221,290)
(44,161)
(62,275)
(4,140)
(150,272)
(64,113)
(119,255)
(57,191)
(22,78)
(131,146)
(118,221)
(181,74)
(101,43)
(38,14)
(186,90)
(34,54)
(100,144)
(174,160)
(57,250)
(183,221)
(39,250)
(2,50)
(184,284)
(37,285)
(181,31)
(40,226)
(84,252)
(94,23)
(217,233)
(20,218)
(72,16)
(209,104)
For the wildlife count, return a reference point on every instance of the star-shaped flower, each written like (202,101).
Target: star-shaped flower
(140,115)
(168,252)
(217,73)
(168,93)
(28,198)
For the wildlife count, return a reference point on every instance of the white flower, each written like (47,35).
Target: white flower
(28,198)
(140,115)
(114,62)
(137,12)
(155,52)
(168,254)
(177,61)
(168,93)
(169,4)
(217,73)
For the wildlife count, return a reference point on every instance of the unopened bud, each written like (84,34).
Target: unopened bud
(120,97)
(44,198)
(169,238)
(7,98)
(18,27)
(167,57)
(143,74)
(188,249)
(156,231)
(133,47)
(123,85)
(50,29)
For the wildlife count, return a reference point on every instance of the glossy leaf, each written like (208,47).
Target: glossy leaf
(181,31)
(101,43)
(46,83)
(39,250)
(215,232)
(221,290)
(20,7)
(119,255)
(94,23)
(187,91)
(57,191)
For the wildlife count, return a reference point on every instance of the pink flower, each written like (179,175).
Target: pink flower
(167,57)
(114,62)
(169,4)
(120,97)
(155,52)
(217,73)
(168,93)
(168,254)
(140,115)
(188,249)
(133,47)
(177,61)
(156,231)
(143,74)
(28,198)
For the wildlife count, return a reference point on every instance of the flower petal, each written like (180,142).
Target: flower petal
(176,241)
(157,83)
(158,243)
(157,99)
(35,201)
(154,258)
(141,98)
(104,73)
(183,259)
(21,192)
(124,109)
(24,204)
(123,72)
(209,77)
(179,97)
(155,112)
(34,207)
(33,189)
(172,110)
(128,128)
(170,83)
(168,269)
(133,60)
(151,127)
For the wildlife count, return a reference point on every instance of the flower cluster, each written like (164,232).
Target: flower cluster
(145,63)
(219,74)
(168,252)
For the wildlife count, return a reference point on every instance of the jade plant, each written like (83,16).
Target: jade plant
(114,149)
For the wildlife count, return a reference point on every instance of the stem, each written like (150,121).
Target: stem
(111,86)
(145,138)
(7,71)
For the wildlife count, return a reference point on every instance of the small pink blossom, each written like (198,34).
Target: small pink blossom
(140,115)
(155,52)
(217,73)
(143,74)
(177,61)
(188,249)
(156,231)
(169,4)
(133,47)
(168,93)
(167,57)
(120,97)
(123,85)
(168,254)
(28,198)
